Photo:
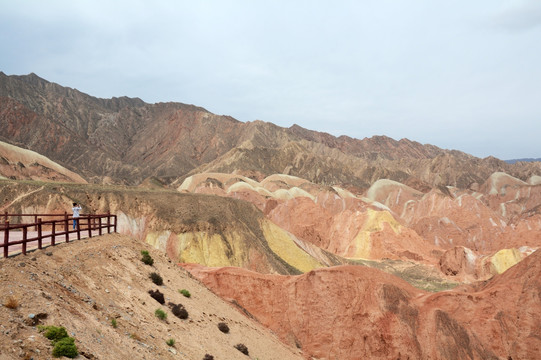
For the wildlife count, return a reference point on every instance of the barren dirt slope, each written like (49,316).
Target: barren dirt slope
(85,284)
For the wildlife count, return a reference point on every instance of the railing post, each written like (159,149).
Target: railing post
(78,227)
(36,222)
(108,222)
(99,226)
(25,231)
(5,216)
(39,234)
(114,217)
(89,227)
(6,237)
(66,228)
(53,233)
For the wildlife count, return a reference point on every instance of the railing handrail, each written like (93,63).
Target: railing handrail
(91,221)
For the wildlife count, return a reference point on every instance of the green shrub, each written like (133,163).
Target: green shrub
(185,293)
(54,333)
(170,342)
(160,314)
(156,278)
(114,323)
(65,347)
(63,344)
(147,259)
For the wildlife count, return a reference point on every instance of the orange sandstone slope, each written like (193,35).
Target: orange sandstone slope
(353,312)
(331,218)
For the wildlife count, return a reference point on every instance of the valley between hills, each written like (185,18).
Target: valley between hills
(309,245)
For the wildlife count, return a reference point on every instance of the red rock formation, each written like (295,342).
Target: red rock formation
(350,312)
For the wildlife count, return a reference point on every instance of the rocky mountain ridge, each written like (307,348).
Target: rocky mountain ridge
(124,140)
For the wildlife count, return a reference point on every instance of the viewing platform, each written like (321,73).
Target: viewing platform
(20,233)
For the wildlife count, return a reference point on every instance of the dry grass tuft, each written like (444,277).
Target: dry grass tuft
(11,303)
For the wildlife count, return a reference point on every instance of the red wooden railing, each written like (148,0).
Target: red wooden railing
(52,228)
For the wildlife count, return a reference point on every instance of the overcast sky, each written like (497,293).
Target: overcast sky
(459,74)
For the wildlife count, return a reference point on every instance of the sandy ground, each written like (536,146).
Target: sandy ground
(83,285)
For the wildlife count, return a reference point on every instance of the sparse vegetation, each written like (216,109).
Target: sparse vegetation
(63,344)
(157,295)
(242,348)
(417,275)
(179,311)
(223,327)
(114,323)
(170,342)
(185,292)
(54,333)
(136,337)
(156,278)
(65,347)
(160,314)
(208,357)
(11,302)
(147,259)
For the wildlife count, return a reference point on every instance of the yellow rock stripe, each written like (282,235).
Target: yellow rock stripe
(283,245)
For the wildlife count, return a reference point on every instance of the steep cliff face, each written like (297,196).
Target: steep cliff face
(356,312)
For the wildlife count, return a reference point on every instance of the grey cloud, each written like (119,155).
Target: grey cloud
(521,16)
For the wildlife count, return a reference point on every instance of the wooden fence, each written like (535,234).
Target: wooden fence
(55,227)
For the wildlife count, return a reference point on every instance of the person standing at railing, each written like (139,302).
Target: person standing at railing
(76,209)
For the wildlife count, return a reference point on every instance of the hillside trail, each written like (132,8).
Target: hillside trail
(21,196)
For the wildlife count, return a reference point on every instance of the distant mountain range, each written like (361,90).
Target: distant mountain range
(125,140)
(513,161)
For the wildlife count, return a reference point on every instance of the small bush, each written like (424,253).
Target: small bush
(242,348)
(147,259)
(185,293)
(11,303)
(63,344)
(208,357)
(170,342)
(114,323)
(54,333)
(179,311)
(65,347)
(223,327)
(160,314)
(134,336)
(156,278)
(157,295)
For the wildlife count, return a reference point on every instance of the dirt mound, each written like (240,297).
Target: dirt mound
(86,284)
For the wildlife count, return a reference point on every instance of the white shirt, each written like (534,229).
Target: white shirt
(76,211)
